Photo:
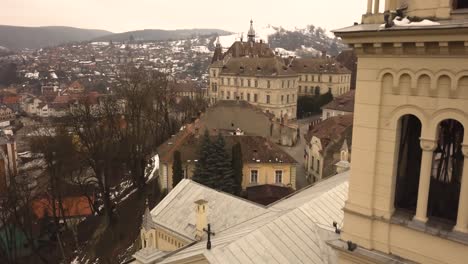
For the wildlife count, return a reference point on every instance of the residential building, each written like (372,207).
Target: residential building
(263,161)
(293,230)
(341,105)
(321,75)
(408,194)
(327,144)
(251,72)
(228,116)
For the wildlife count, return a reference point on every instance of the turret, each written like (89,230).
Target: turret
(251,34)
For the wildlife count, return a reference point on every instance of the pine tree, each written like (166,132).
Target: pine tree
(201,174)
(224,175)
(237,166)
(177,172)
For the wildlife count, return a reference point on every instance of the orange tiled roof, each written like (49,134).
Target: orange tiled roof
(72,206)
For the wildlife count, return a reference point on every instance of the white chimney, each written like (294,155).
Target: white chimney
(201,214)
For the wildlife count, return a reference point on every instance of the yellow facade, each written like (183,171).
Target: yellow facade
(337,84)
(422,72)
(269,174)
(266,174)
(276,95)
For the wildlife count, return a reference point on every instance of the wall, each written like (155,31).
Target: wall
(266,174)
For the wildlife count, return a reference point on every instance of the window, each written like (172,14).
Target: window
(222,81)
(242,82)
(248,83)
(313,78)
(242,96)
(213,73)
(305,89)
(222,94)
(255,98)
(329,79)
(282,84)
(300,78)
(235,81)
(228,95)
(312,164)
(279,176)
(318,166)
(282,98)
(268,84)
(229,81)
(256,83)
(248,97)
(253,176)
(408,169)
(289,83)
(300,89)
(287,98)
(307,78)
(447,171)
(268,99)
(459,4)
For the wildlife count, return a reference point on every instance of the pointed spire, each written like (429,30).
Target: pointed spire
(147,219)
(251,34)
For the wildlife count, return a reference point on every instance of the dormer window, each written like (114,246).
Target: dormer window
(460,4)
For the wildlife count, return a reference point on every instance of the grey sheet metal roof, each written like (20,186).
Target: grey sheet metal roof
(177,210)
(293,230)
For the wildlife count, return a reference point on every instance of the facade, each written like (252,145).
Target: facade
(327,149)
(321,75)
(341,105)
(250,71)
(408,195)
(263,161)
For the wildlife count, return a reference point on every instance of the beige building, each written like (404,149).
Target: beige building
(250,71)
(327,149)
(263,161)
(341,105)
(321,75)
(408,192)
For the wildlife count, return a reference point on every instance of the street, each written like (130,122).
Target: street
(297,152)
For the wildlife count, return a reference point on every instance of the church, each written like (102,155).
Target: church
(405,198)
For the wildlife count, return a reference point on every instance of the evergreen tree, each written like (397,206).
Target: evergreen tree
(177,172)
(224,174)
(237,166)
(201,174)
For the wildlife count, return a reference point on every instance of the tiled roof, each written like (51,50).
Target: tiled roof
(249,49)
(272,66)
(255,149)
(317,65)
(330,129)
(343,103)
(72,207)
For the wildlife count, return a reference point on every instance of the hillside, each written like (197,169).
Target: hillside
(159,34)
(16,38)
(302,42)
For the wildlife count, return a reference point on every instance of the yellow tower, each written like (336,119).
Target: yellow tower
(408,193)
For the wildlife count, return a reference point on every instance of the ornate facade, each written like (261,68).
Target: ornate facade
(408,196)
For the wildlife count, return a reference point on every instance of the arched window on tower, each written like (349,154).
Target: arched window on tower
(447,169)
(460,4)
(409,164)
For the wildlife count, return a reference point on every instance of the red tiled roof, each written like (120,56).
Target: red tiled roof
(72,207)
(11,99)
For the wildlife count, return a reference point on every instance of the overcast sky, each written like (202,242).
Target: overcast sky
(126,15)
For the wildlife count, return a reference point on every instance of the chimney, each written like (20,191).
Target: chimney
(202,220)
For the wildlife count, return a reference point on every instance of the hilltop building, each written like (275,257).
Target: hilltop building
(408,193)
(251,71)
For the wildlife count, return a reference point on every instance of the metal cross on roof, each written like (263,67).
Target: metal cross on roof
(208,231)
